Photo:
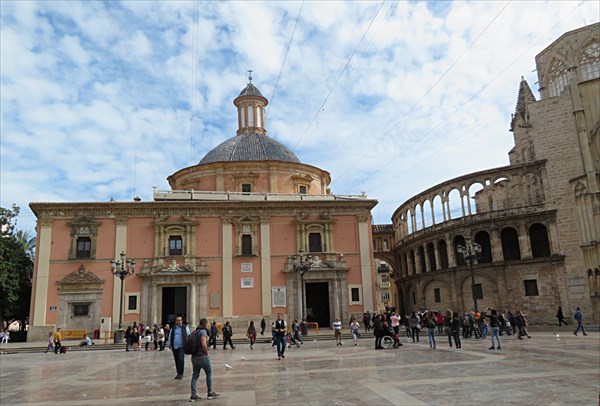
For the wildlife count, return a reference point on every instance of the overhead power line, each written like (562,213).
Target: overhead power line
(284,59)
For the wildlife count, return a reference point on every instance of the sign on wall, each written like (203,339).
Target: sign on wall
(278,297)
(247,282)
(246,267)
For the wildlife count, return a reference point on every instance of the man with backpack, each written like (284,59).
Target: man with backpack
(200,361)
(177,336)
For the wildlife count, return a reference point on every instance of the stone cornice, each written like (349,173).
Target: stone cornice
(54,210)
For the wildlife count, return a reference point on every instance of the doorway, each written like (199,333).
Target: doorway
(317,303)
(174,303)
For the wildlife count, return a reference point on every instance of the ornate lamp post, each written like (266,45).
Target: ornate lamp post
(470,253)
(302,263)
(121,269)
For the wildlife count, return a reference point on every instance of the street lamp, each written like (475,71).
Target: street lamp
(470,253)
(302,263)
(121,269)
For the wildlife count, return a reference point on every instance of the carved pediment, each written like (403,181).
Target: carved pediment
(174,267)
(80,279)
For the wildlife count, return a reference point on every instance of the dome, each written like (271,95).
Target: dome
(250,146)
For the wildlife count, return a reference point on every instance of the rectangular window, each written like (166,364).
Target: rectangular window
(385,296)
(385,245)
(246,244)
(302,189)
(384,278)
(81,309)
(84,247)
(531,287)
(314,242)
(355,293)
(132,303)
(175,245)
(478,291)
(246,188)
(436,295)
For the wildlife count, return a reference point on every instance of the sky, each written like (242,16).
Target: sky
(105,100)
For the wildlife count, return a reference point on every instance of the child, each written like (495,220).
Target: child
(50,343)
(147,338)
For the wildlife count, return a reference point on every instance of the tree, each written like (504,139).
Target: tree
(16,270)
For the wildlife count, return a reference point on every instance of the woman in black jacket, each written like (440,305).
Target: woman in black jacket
(378,332)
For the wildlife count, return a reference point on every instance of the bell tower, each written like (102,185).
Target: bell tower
(251,109)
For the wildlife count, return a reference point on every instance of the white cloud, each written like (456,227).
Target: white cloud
(71,133)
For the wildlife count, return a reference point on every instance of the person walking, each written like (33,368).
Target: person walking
(263,326)
(378,332)
(251,333)
(495,326)
(455,330)
(161,338)
(395,319)
(57,341)
(201,361)
(279,330)
(561,317)
(440,322)
(227,334)
(177,336)
(337,331)
(579,318)
(354,328)
(414,321)
(431,324)
(367,321)
(521,325)
(214,333)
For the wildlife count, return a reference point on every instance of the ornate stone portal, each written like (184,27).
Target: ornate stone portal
(173,274)
(80,300)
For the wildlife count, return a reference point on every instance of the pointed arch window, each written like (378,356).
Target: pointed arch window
(590,62)
(557,79)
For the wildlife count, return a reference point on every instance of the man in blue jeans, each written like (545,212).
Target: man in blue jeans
(579,318)
(200,361)
(279,329)
(177,337)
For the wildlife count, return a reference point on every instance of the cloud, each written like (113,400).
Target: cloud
(426,96)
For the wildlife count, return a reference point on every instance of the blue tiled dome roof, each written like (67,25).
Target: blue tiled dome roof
(250,147)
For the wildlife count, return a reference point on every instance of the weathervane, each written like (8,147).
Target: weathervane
(250,75)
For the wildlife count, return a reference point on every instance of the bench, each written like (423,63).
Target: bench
(73,334)
(313,326)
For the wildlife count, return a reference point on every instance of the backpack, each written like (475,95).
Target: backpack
(431,323)
(190,345)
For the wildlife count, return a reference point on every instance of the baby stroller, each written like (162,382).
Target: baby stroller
(290,340)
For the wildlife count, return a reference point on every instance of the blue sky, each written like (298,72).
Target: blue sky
(390,97)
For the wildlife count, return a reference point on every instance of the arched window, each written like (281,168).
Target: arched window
(458,240)
(405,264)
(483,238)
(250,116)
(557,78)
(443,252)
(431,256)
(413,262)
(422,259)
(540,245)
(590,62)
(510,244)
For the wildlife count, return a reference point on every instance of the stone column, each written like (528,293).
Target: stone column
(524,242)
(265,265)
(192,313)
(227,247)
(366,266)
(41,278)
(496,244)
(120,246)
(154,303)
(450,251)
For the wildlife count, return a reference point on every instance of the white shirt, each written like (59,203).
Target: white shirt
(337,325)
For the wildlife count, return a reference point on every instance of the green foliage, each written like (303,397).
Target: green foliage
(16,270)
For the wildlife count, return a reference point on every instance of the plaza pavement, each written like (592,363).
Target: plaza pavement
(544,370)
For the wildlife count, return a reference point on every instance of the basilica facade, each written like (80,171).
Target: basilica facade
(531,229)
(227,241)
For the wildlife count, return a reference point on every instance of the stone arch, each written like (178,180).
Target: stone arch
(511,249)
(476,193)
(438,209)
(418,217)
(409,223)
(456,241)
(430,252)
(443,254)
(422,262)
(428,287)
(589,60)
(556,78)
(455,210)
(427,213)
(483,239)
(489,289)
(539,241)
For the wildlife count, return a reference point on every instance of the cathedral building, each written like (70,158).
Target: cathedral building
(248,232)
(523,236)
